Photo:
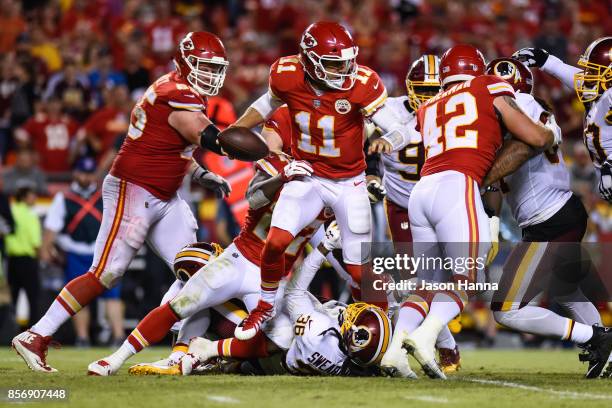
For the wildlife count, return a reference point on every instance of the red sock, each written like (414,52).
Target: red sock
(154,327)
(273,262)
(253,348)
(79,292)
(374,297)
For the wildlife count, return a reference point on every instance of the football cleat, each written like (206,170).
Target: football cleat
(101,368)
(254,321)
(450,360)
(201,350)
(597,351)
(395,363)
(160,367)
(420,344)
(32,348)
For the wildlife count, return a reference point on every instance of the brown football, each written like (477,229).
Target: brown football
(243,144)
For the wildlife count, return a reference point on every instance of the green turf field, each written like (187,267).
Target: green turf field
(489,378)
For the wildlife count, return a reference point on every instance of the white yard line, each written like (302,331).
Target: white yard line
(223,399)
(427,398)
(562,394)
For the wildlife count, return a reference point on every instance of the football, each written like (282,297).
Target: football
(243,144)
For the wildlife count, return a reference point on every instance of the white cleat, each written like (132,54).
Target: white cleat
(395,360)
(200,351)
(420,344)
(32,348)
(102,368)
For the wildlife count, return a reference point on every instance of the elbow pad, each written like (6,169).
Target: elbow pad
(209,139)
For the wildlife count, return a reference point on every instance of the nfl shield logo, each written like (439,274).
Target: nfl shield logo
(316,103)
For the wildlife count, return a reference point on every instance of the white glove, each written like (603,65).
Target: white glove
(297,168)
(332,238)
(551,123)
(211,181)
(494,228)
(376,191)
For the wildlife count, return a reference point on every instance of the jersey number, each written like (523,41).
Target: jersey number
(139,116)
(413,156)
(438,139)
(326,124)
(300,325)
(593,131)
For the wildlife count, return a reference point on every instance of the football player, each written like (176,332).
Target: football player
(140,193)
(328,95)
(593,85)
(544,206)
(461,129)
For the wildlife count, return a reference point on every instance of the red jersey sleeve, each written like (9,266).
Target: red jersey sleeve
(271,165)
(493,86)
(370,93)
(285,73)
(280,122)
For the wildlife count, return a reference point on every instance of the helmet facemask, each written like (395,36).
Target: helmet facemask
(206,75)
(592,81)
(335,71)
(420,92)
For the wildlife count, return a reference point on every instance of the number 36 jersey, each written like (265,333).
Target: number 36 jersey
(460,127)
(598,128)
(327,127)
(154,155)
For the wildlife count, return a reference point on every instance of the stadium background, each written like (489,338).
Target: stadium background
(93,59)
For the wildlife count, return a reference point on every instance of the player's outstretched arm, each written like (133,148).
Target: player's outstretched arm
(522,127)
(511,156)
(540,58)
(397,133)
(259,111)
(196,128)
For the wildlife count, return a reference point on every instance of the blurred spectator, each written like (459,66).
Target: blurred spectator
(102,128)
(584,176)
(72,88)
(7,223)
(551,39)
(136,74)
(12,24)
(44,49)
(72,222)
(51,134)
(24,172)
(104,76)
(22,249)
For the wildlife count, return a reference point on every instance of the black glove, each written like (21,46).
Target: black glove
(605,182)
(532,57)
(376,191)
(211,181)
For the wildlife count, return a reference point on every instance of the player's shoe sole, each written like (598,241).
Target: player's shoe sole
(152,369)
(420,345)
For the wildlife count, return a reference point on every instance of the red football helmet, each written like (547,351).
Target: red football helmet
(366,333)
(423,80)
(461,63)
(329,55)
(512,71)
(202,61)
(596,77)
(194,257)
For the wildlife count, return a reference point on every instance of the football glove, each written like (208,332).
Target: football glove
(297,168)
(532,57)
(494,228)
(211,181)
(605,182)
(551,123)
(376,191)
(332,238)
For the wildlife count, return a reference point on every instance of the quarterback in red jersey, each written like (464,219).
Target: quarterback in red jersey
(462,130)
(140,193)
(233,274)
(328,96)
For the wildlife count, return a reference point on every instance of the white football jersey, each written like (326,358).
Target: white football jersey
(401,169)
(541,186)
(598,128)
(315,349)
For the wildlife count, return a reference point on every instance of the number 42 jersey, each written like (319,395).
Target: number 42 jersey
(460,127)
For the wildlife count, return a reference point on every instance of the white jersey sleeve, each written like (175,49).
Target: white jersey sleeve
(598,128)
(541,186)
(560,70)
(315,349)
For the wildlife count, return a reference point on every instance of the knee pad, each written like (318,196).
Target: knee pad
(136,232)
(358,214)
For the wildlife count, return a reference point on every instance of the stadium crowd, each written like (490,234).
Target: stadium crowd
(71,70)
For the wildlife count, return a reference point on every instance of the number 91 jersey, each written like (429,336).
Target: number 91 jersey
(327,127)
(460,127)
(154,155)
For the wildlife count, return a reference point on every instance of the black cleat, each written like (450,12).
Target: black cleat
(597,352)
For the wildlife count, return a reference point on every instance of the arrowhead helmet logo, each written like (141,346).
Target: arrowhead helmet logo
(308,41)
(187,43)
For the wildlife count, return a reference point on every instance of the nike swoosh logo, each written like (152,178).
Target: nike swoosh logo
(376,86)
(356,183)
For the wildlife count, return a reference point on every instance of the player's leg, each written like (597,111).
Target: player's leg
(298,205)
(125,222)
(398,222)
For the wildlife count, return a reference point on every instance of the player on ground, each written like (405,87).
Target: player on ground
(462,130)
(593,85)
(545,208)
(140,193)
(328,95)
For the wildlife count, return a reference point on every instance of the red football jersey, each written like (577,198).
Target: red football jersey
(253,235)
(280,122)
(106,124)
(154,155)
(460,127)
(51,138)
(327,127)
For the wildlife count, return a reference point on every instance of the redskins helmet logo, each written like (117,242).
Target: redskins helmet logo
(361,337)
(308,41)
(507,71)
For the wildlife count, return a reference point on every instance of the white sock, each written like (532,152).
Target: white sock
(543,322)
(444,308)
(119,357)
(408,319)
(48,324)
(446,339)
(268,296)
(580,308)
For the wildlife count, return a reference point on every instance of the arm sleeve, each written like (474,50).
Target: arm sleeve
(560,70)
(54,220)
(372,161)
(298,298)
(397,133)
(266,104)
